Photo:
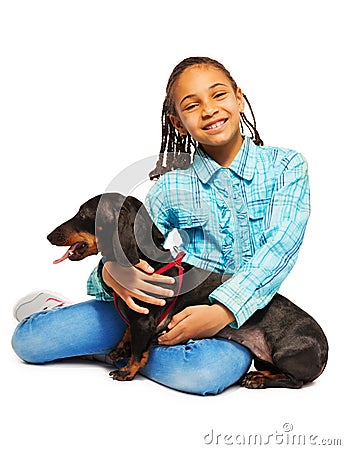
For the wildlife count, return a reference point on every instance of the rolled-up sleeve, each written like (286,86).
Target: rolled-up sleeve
(255,283)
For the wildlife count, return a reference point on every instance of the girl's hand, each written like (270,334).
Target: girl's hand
(129,282)
(196,322)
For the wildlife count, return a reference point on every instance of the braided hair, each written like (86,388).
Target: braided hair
(177,150)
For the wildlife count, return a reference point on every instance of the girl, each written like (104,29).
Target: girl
(240,209)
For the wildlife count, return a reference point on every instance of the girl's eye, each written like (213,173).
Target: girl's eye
(219,94)
(191,106)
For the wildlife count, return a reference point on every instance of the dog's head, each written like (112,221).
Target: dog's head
(78,233)
(117,226)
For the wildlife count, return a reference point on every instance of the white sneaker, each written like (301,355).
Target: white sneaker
(38,301)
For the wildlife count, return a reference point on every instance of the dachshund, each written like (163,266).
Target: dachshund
(288,346)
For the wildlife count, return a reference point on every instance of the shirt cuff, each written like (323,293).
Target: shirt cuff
(237,295)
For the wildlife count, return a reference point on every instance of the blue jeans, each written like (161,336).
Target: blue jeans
(205,366)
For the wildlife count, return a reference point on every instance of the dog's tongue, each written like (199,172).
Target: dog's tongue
(67,254)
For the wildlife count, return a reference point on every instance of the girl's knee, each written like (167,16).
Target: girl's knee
(36,338)
(212,371)
(25,344)
(202,367)
(81,329)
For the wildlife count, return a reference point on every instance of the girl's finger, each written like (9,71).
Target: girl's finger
(172,337)
(154,289)
(145,266)
(147,298)
(159,278)
(177,318)
(131,304)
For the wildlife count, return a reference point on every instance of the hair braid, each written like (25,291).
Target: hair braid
(177,151)
(251,126)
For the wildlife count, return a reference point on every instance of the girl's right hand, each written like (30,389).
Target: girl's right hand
(129,282)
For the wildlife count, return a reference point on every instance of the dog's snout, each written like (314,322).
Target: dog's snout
(56,237)
(50,237)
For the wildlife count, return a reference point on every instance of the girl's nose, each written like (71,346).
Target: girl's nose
(209,110)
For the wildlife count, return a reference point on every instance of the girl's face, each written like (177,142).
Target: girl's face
(208,108)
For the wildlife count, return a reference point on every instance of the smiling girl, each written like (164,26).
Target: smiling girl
(240,209)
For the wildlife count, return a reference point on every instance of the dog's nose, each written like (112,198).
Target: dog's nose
(50,236)
(55,237)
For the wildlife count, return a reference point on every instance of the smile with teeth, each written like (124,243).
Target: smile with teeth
(215,125)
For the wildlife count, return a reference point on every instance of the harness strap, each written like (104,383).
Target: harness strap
(176,263)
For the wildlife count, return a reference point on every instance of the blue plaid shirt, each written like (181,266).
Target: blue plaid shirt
(247,220)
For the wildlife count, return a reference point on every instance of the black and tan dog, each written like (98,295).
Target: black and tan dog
(289,347)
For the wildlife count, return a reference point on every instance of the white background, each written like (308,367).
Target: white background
(82,84)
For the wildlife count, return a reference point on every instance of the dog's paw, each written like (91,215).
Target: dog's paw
(253,380)
(123,374)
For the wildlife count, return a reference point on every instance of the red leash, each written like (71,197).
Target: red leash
(176,263)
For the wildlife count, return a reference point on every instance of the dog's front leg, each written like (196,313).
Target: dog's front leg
(140,343)
(123,350)
(128,372)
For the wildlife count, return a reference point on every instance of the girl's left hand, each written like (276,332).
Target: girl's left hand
(196,322)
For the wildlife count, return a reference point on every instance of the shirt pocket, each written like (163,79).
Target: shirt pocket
(192,218)
(192,224)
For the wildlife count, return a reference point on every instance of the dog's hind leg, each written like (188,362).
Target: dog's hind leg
(266,379)
(123,350)
(291,369)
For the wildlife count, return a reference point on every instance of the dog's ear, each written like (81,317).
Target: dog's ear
(114,232)
(123,242)
(138,236)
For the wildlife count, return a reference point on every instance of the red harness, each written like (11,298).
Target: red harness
(176,263)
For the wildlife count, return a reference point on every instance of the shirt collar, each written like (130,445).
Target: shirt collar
(243,165)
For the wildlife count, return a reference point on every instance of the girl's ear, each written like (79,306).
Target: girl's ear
(177,124)
(240,100)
